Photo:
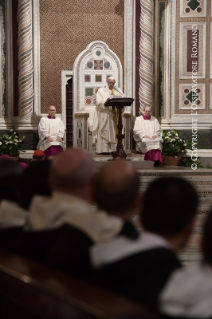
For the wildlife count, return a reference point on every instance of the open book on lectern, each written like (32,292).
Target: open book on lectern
(119,101)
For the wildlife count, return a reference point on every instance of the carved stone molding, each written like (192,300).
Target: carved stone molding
(146,53)
(172,119)
(36,55)
(126,131)
(129,47)
(85,83)
(81,134)
(25,59)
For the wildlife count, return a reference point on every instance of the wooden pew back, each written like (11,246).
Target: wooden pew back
(31,290)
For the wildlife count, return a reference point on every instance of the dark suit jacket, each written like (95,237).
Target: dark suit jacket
(65,248)
(8,237)
(140,276)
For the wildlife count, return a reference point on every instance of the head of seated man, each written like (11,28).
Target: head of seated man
(147,111)
(72,172)
(187,294)
(52,110)
(117,189)
(169,208)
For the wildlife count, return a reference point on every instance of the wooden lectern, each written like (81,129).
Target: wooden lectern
(119,103)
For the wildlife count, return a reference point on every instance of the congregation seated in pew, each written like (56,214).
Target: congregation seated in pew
(139,267)
(57,228)
(12,216)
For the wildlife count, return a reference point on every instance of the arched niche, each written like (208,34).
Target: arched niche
(91,69)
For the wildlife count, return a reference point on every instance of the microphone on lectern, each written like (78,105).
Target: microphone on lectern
(117,90)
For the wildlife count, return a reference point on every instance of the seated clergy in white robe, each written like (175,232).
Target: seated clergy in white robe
(148,135)
(51,133)
(105,119)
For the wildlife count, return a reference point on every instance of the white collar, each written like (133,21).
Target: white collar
(67,198)
(63,209)
(151,239)
(188,292)
(11,215)
(121,247)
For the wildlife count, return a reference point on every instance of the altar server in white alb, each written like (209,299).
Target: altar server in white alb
(51,133)
(148,135)
(105,118)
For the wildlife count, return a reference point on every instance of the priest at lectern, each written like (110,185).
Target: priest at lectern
(105,118)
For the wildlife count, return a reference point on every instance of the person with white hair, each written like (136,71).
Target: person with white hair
(147,134)
(105,118)
(51,132)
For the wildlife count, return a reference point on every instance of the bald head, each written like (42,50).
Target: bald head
(72,169)
(117,186)
(52,110)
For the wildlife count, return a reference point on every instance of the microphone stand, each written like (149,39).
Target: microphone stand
(117,90)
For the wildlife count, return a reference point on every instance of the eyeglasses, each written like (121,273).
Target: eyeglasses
(52,110)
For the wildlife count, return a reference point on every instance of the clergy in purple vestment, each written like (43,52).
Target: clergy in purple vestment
(51,133)
(148,135)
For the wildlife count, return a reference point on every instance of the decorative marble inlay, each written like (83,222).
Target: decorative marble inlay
(106,65)
(190,97)
(90,65)
(84,92)
(193,5)
(98,53)
(193,8)
(98,64)
(88,101)
(189,94)
(89,91)
(87,78)
(98,78)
